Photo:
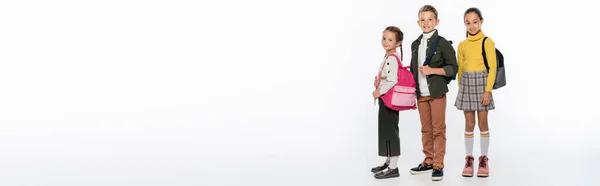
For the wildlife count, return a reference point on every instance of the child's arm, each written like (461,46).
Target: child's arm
(414,68)
(449,56)
(434,71)
(391,71)
(490,54)
(460,64)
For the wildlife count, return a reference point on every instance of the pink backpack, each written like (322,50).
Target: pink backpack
(403,95)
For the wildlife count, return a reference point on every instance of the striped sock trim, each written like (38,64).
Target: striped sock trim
(468,134)
(484,134)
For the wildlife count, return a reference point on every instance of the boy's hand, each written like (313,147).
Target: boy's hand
(426,70)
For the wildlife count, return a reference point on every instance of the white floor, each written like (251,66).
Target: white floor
(515,159)
(151,151)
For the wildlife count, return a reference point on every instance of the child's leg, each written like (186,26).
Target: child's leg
(469,159)
(483,170)
(393,162)
(424,108)
(469,127)
(438,116)
(394,145)
(482,116)
(389,141)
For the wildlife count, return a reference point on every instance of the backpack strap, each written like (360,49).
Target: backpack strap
(433,48)
(399,64)
(397,59)
(428,59)
(485,62)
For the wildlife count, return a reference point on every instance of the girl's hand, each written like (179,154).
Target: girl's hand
(376,82)
(376,94)
(485,98)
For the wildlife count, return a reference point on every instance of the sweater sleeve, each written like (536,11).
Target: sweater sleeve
(391,71)
(460,63)
(490,54)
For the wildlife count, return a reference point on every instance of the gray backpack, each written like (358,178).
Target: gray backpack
(500,73)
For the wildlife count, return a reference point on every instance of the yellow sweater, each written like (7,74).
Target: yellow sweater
(470,58)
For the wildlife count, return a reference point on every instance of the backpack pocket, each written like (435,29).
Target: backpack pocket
(404,96)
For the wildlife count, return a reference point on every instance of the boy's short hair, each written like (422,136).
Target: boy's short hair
(430,9)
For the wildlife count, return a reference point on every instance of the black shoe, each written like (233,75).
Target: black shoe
(422,168)
(437,175)
(389,173)
(379,168)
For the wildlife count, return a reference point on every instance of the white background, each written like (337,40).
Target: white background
(274,92)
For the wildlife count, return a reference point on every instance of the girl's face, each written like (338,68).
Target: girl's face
(473,23)
(427,21)
(388,41)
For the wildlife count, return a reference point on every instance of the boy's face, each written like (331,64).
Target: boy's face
(427,21)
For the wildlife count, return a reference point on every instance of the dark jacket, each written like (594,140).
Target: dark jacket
(444,57)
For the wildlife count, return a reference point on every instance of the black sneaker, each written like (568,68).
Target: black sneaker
(422,168)
(389,173)
(379,168)
(437,175)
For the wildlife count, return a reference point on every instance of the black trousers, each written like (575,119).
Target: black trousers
(389,139)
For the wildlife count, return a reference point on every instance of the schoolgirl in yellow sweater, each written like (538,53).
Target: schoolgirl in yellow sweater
(475,88)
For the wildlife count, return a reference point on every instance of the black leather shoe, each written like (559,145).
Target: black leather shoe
(379,168)
(389,173)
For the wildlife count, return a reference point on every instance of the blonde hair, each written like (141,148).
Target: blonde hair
(429,8)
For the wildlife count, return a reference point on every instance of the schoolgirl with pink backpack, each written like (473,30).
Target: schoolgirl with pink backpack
(395,90)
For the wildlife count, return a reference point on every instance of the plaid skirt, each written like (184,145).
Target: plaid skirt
(472,86)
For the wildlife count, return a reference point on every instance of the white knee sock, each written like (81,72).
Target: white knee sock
(485,142)
(469,143)
(393,162)
(387,161)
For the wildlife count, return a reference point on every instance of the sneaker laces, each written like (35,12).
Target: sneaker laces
(423,164)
